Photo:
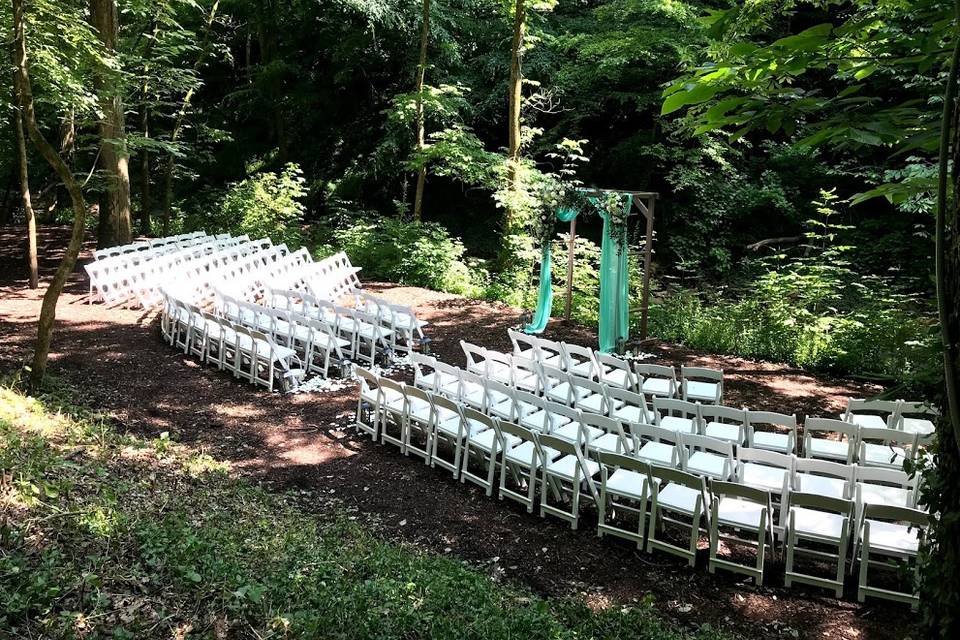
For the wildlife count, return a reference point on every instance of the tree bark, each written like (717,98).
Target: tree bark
(420,116)
(171,163)
(114,225)
(48,308)
(515,98)
(24,176)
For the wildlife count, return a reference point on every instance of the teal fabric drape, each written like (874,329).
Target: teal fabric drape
(545,295)
(614,284)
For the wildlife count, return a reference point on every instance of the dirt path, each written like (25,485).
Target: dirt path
(304,442)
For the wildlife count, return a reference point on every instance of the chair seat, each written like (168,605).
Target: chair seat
(893,538)
(703,391)
(657,452)
(473,394)
(523,455)
(617,378)
(583,369)
(527,381)
(739,513)
(709,464)
(447,384)
(484,440)
(679,498)
(816,524)
(822,485)
(566,466)
(658,387)
(502,409)
(680,425)
(420,411)
(723,431)
(779,442)
(571,432)
(451,427)
(867,421)
(562,392)
(881,494)
(629,413)
(881,455)
(593,403)
(918,425)
(627,483)
(610,442)
(763,477)
(828,449)
(499,372)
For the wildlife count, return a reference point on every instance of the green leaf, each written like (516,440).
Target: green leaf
(698,94)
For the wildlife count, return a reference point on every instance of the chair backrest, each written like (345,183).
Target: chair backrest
(442,402)
(701,373)
(772,419)
(656,434)
(570,413)
(721,488)
(418,394)
(819,502)
(891,513)
(621,461)
(705,443)
(768,458)
(471,414)
(823,468)
(720,413)
(589,388)
(549,349)
(421,362)
(386,384)
(883,476)
(655,371)
(893,437)
(675,407)
(514,429)
(813,427)
(526,403)
(493,389)
(526,373)
(669,475)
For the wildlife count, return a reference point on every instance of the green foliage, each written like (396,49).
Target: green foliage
(96,548)
(412,253)
(811,310)
(264,205)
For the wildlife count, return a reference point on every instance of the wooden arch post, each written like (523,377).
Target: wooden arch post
(645,203)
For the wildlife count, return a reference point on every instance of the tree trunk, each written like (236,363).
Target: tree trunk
(940,593)
(114,226)
(516,92)
(146,194)
(24,175)
(171,163)
(420,116)
(48,309)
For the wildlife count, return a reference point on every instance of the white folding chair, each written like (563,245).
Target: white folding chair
(501,401)
(724,423)
(656,380)
(611,437)
(633,407)
(768,471)
(741,509)
(707,457)
(779,431)
(657,445)
(916,417)
(567,475)
(624,488)
(888,448)
(677,493)
(677,415)
(369,403)
(522,457)
(452,431)
(590,396)
(813,522)
(872,414)
(524,345)
(393,409)
(823,478)
(699,384)
(615,371)
(890,535)
(484,444)
(422,419)
(579,361)
(526,374)
(878,485)
(841,449)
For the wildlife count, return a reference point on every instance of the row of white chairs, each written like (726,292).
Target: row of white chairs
(193,278)
(910,417)
(694,383)
(245,351)
(135,277)
(588,456)
(316,338)
(372,325)
(145,245)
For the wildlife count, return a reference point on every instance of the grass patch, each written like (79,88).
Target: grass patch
(107,536)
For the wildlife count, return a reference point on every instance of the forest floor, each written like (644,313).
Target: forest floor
(304,442)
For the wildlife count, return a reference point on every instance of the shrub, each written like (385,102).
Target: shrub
(263,205)
(412,253)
